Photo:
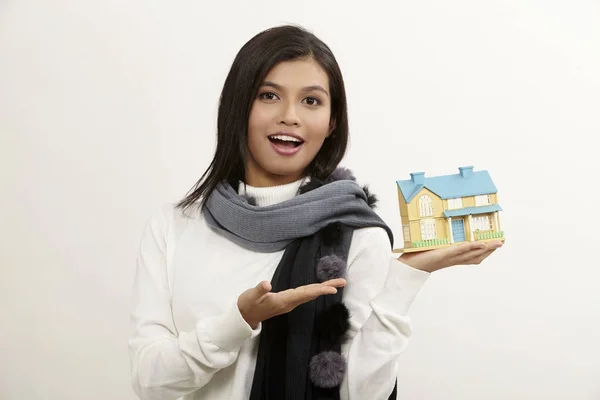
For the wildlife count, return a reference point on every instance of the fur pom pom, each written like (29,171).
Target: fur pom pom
(371,198)
(334,322)
(327,369)
(330,267)
(331,233)
(341,174)
(312,184)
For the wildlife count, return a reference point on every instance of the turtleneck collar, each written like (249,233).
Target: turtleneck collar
(266,196)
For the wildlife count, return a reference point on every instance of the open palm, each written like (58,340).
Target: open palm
(260,303)
(470,253)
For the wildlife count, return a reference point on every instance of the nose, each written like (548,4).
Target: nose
(289,115)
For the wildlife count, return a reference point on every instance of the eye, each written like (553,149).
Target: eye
(312,101)
(269,96)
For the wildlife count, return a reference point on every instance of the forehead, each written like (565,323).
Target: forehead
(298,73)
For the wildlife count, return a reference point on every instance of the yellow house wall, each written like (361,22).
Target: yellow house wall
(440,229)
(493,222)
(469,201)
(467,228)
(403,206)
(410,215)
(415,231)
(414,219)
(413,206)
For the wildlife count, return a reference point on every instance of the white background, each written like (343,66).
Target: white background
(107,110)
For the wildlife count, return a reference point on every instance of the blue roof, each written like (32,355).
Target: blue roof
(466,183)
(472,210)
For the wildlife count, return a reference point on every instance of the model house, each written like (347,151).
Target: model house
(440,211)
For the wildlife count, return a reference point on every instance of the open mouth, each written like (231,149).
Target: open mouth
(285,141)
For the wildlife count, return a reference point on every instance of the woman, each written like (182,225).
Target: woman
(273,278)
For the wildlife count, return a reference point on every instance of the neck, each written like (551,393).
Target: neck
(270,180)
(258,177)
(269,195)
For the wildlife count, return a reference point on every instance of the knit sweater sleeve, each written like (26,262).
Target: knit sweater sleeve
(379,293)
(165,363)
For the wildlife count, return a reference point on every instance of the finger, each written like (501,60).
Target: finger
(476,250)
(303,294)
(493,244)
(463,248)
(262,289)
(338,282)
(479,259)
(472,258)
(496,244)
(264,286)
(314,290)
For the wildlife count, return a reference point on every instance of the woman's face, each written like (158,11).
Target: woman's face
(289,120)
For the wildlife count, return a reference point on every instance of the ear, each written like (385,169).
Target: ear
(331,127)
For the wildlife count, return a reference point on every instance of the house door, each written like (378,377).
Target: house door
(458,230)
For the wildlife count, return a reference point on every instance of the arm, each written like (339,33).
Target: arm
(167,364)
(379,293)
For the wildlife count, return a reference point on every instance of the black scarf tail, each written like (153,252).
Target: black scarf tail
(299,355)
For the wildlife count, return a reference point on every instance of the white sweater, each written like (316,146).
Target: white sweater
(189,340)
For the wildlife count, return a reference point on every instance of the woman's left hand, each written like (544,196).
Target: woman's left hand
(469,253)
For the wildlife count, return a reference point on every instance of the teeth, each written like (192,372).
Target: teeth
(285,138)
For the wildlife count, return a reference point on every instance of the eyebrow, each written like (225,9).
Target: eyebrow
(304,89)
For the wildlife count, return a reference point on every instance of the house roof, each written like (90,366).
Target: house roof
(466,183)
(460,212)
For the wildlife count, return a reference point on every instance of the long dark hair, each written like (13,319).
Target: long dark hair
(252,63)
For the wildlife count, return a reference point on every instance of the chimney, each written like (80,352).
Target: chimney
(417,177)
(466,172)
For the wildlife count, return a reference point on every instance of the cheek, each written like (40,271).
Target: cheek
(256,124)
(318,126)
(254,120)
(260,117)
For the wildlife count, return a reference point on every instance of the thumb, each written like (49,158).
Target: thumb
(263,288)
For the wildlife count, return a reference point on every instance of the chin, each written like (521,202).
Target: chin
(285,171)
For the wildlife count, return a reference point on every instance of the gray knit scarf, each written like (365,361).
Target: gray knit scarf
(299,352)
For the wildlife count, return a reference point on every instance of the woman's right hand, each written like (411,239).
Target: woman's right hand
(259,303)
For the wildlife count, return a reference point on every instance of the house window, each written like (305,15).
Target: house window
(482,200)
(425,206)
(481,223)
(453,204)
(406,233)
(427,229)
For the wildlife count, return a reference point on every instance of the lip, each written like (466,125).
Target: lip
(292,134)
(284,151)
